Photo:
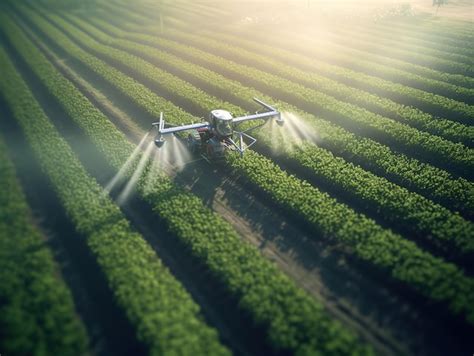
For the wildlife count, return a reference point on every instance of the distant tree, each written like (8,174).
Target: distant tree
(439,2)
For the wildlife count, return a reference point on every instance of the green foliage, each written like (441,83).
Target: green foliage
(291,317)
(397,204)
(449,37)
(450,129)
(374,125)
(414,48)
(434,183)
(406,262)
(165,317)
(349,55)
(163,314)
(368,240)
(37,314)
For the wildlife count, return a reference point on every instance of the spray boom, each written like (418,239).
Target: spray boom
(212,137)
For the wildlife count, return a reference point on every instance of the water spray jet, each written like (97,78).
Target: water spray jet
(124,195)
(121,173)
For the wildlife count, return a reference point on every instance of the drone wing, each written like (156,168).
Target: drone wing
(164,131)
(175,129)
(265,115)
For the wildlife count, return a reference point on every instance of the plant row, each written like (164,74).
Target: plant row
(428,147)
(448,129)
(163,313)
(434,183)
(402,49)
(376,65)
(445,128)
(217,45)
(366,39)
(290,316)
(37,311)
(425,98)
(405,261)
(421,77)
(431,276)
(419,214)
(448,39)
(454,109)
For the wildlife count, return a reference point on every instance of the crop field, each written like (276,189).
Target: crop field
(346,229)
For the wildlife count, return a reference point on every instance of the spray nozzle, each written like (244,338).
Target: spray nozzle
(159,142)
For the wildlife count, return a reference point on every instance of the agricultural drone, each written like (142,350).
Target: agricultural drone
(211,139)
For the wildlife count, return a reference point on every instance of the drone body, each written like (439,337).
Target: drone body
(211,139)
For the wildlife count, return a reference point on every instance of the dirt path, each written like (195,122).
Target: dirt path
(393,322)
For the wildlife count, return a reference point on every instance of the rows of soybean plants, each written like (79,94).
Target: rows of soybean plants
(448,39)
(333,138)
(446,128)
(142,285)
(426,99)
(416,28)
(369,241)
(453,103)
(401,136)
(247,52)
(384,62)
(365,40)
(376,85)
(426,146)
(420,77)
(27,268)
(393,202)
(449,62)
(290,317)
(368,40)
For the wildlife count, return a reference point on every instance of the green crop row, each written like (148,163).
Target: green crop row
(218,47)
(454,110)
(444,61)
(407,73)
(418,34)
(363,38)
(447,39)
(399,206)
(445,128)
(456,156)
(460,54)
(396,70)
(380,63)
(290,316)
(37,312)
(431,276)
(460,110)
(420,215)
(370,82)
(421,144)
(441,186)
(163,313)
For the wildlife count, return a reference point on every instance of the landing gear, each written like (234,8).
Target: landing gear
(193,142)
(215,149)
